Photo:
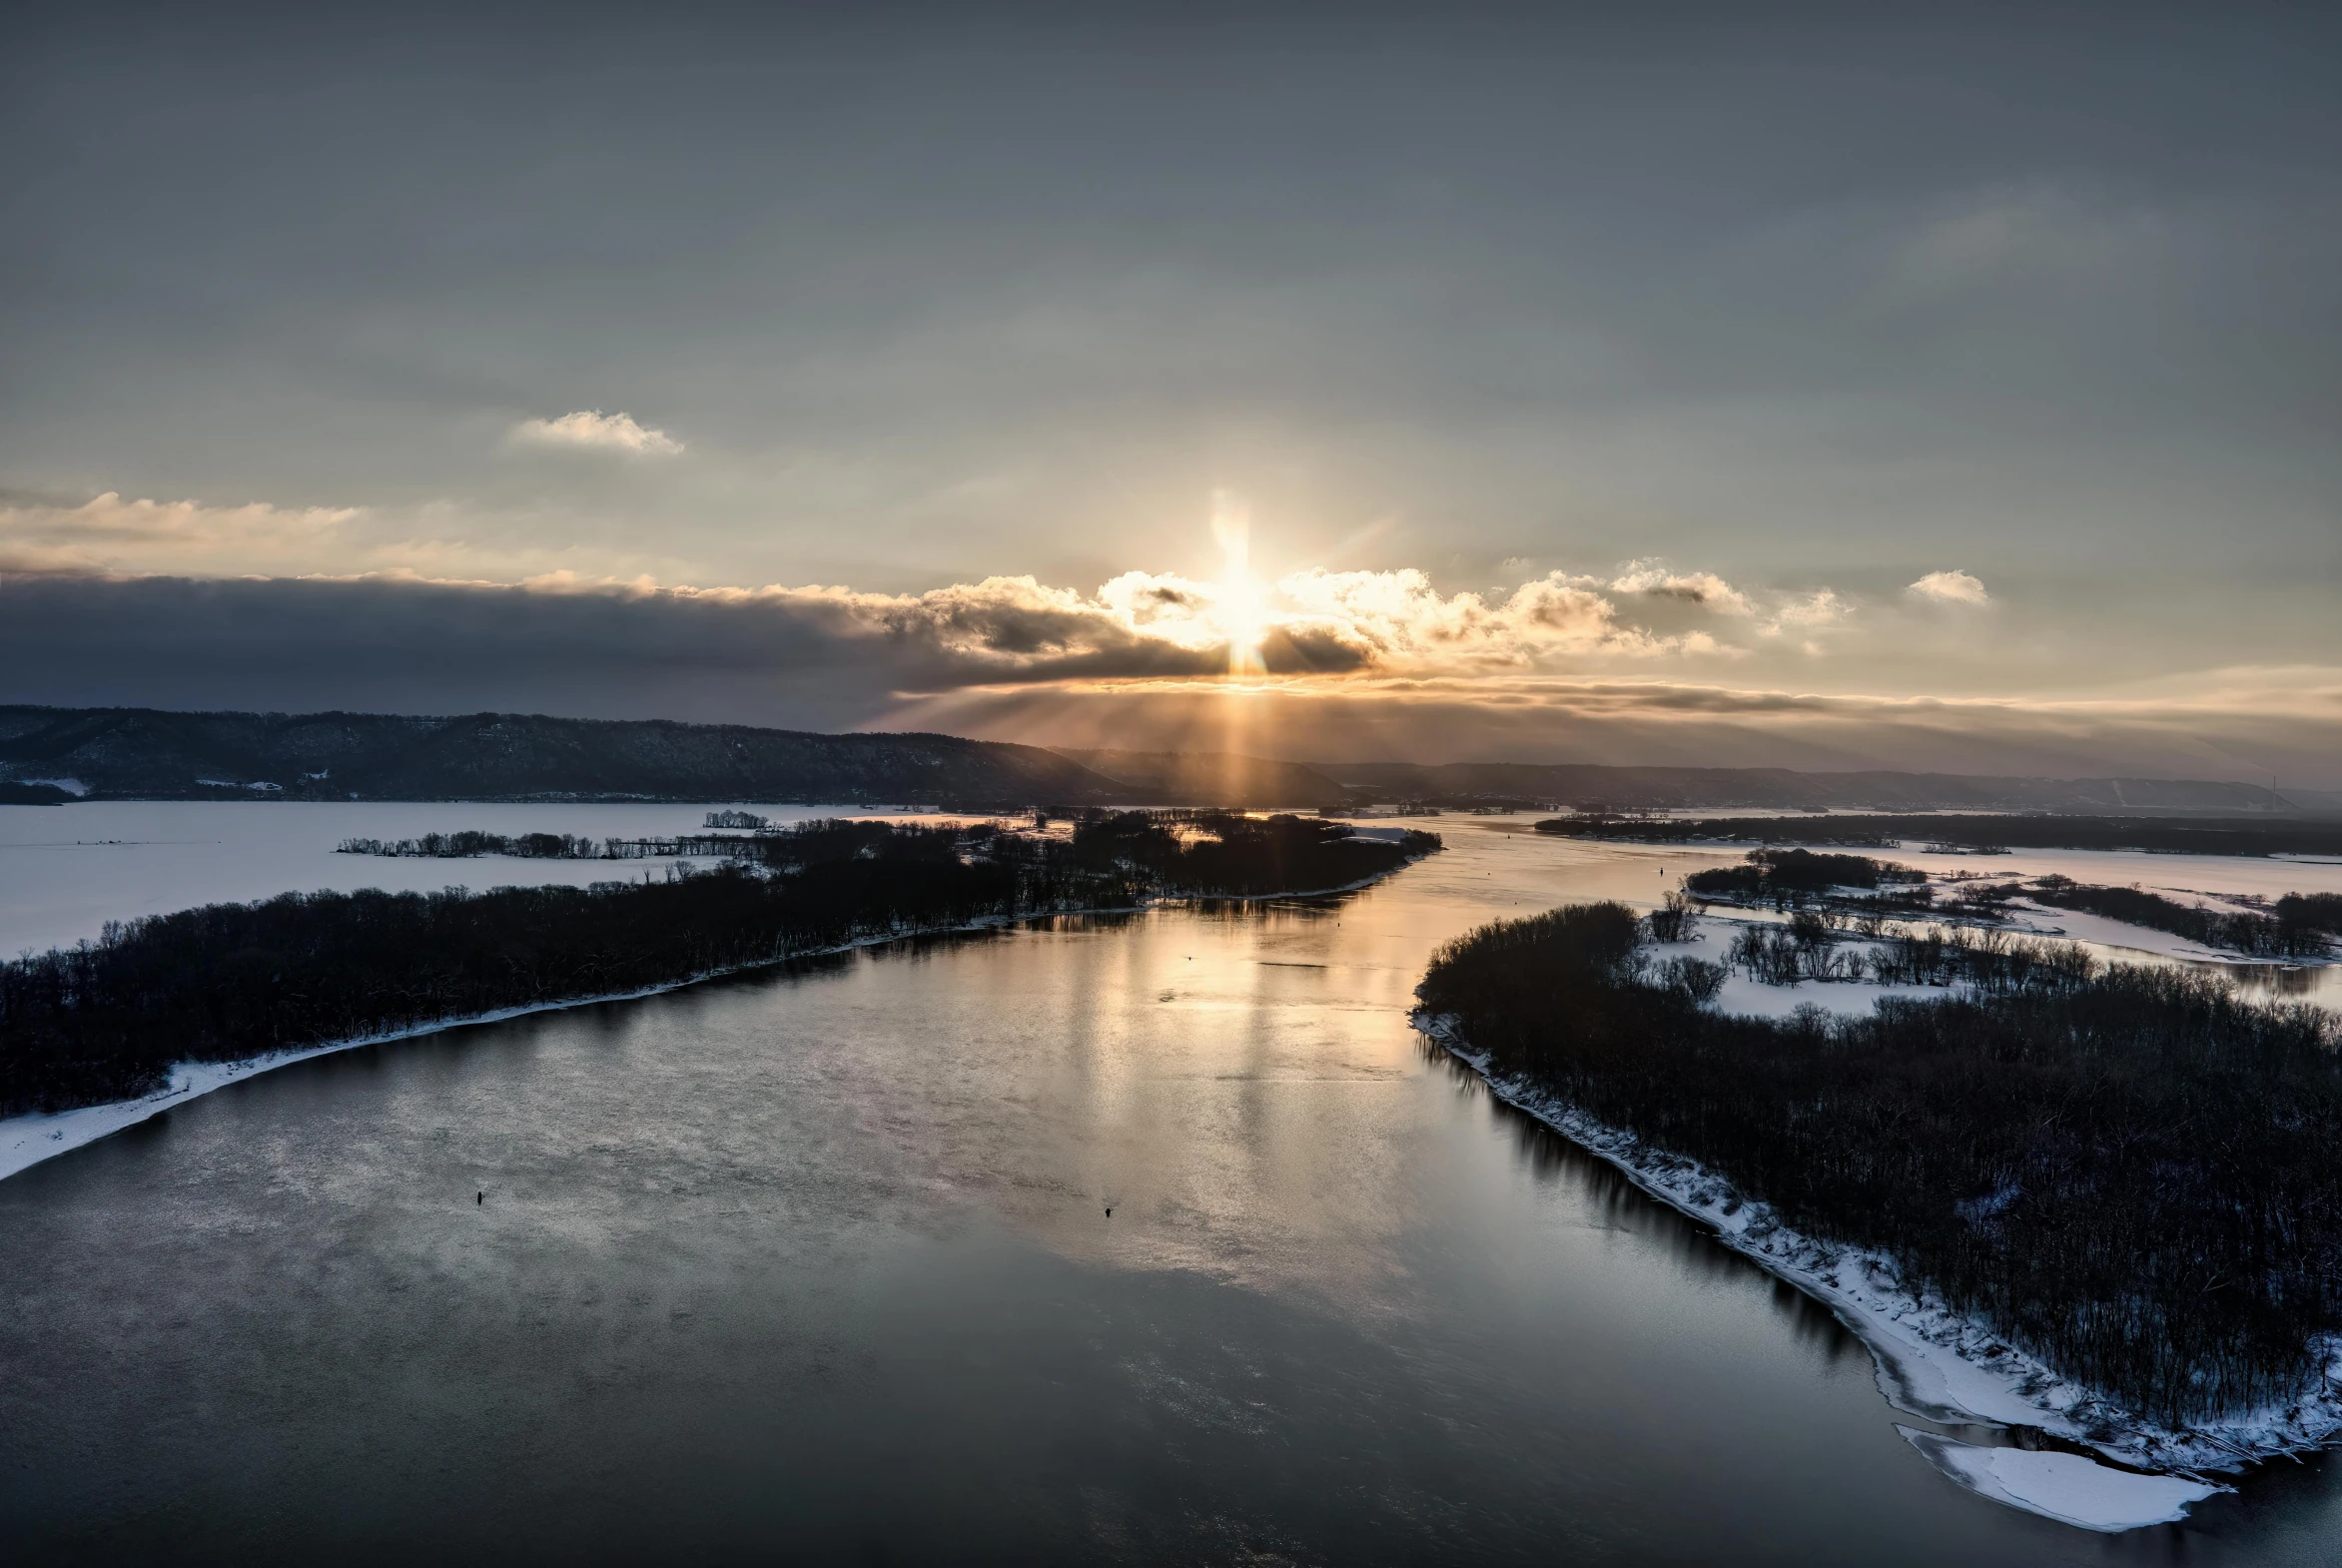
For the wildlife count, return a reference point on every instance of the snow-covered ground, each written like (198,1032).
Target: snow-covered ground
(67,870)
(1712,937)
(1941,1367)
(2122,938)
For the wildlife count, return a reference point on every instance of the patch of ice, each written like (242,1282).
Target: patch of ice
(2065,1487)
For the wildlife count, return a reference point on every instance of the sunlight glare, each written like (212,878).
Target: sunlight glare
(1243,601)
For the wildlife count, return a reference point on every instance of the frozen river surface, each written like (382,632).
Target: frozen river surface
(817,1264)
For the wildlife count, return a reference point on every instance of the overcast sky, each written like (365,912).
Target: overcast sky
(1573,383)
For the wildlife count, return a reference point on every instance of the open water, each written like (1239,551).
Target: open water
(817,1266)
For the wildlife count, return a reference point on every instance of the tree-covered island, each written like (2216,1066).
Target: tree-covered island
(2127,1174)
(107,1020)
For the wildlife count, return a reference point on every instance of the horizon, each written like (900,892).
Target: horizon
(1314,783)
(1550,389)
(2309,800)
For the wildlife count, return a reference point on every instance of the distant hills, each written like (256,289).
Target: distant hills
(57,754)
(144,753)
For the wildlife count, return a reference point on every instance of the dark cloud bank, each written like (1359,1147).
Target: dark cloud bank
(998,668)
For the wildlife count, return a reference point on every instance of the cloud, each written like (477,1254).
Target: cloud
(1010,658)
(2034,233)
(593,431)
(1703,588)
(110,534)
(1950,587)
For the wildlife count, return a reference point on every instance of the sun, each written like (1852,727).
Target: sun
(1241,603)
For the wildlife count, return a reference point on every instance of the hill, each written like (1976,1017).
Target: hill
(149,754)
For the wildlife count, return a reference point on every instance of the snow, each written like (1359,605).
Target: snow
(2082,926)
(1853,999)
(1931,1362)
(67,870)
(2062,1486)
(74,787)
(1712,940)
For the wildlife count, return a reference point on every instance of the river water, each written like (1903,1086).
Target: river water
(818,1264)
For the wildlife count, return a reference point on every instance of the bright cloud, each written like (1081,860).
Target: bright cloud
(110,534)
(1145,625)
(1950,587)
(1141,625)
(593,431)
(1704,589)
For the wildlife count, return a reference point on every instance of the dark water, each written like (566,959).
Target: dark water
(818,1268)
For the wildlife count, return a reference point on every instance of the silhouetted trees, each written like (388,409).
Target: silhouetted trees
(1208,852)
(106,1020)
(467,844)
(1787,876)
(2312,912)
(2129,1173)
(2293,932)
(1973,834)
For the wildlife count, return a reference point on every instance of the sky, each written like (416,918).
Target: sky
(1825,387)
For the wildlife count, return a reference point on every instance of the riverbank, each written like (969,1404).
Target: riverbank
(26,1140)
(1945,1367)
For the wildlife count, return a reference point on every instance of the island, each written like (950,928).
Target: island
(1970,834)
(2098,1201)
(149,1009)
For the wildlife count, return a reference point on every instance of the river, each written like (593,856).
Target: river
(818,1264)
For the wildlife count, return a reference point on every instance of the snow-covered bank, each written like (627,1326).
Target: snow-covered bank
(1934,1362)
(26,1140)
(2062,1486)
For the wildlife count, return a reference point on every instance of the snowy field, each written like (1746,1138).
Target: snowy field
(2215,880)
(67,870)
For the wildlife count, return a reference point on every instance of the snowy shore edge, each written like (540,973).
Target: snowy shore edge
(26,1140)
(1945,1367)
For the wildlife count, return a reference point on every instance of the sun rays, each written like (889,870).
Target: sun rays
(1241,604)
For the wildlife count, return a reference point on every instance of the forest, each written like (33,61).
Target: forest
(2127,1172)
(1787,876)
(1972,834)
(106,1020)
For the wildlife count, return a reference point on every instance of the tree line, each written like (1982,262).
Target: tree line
(106,1020)
(2127,1172)
(2296,931)
(1982,834)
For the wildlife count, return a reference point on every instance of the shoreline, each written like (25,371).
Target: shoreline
(29,1139)
(1940,1366)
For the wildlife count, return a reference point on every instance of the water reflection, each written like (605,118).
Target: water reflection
(818,1261)
(1614,1204)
